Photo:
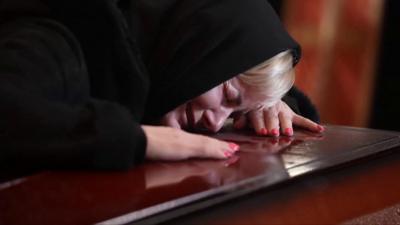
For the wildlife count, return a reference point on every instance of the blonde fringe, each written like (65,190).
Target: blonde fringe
(276,81)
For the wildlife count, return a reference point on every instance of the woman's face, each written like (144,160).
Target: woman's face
(210,110)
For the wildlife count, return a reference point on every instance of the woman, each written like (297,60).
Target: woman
(74,88)
(195,49)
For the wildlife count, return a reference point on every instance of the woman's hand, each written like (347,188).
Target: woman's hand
(166,143)
(275,120)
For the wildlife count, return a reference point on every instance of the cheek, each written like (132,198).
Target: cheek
(172,118)
(209,100)
(253,100)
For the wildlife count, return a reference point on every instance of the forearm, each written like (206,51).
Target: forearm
(47,117)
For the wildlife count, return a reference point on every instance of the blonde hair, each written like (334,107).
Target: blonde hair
(276,79)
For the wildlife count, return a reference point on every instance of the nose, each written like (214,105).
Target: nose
(213,120)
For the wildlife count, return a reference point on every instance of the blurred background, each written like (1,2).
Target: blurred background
(350,52)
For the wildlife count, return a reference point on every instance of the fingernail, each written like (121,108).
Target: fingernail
(321,128)
(263,131)
(228,153)
(233,146)
(289,131)
(275,132)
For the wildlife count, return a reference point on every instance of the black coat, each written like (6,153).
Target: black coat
(75,74)
(72,88)
(192,46)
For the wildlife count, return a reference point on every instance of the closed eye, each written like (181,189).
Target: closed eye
(231,95)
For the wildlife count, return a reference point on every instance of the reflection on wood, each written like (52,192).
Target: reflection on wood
(83,197)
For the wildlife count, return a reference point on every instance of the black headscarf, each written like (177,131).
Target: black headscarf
(191,46)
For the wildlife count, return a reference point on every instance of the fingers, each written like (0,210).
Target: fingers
(257,120)
(271,121)
(306,123)
(165,143)
(285,120)
(279,118)
(214,148)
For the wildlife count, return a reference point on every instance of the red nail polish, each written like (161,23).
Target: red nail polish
(233,146)
(289,131)
(263,131)
(321,128)
(228,153)
(275,132)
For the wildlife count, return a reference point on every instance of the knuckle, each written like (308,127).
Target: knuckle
(271,116)
(271,112)
(254,114)
(285,117)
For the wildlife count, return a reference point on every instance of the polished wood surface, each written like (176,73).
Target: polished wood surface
(286,196)
(331,197)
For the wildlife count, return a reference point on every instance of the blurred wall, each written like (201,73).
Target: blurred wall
(340,40)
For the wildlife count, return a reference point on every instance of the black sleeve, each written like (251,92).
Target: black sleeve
(301,104)
(47,117)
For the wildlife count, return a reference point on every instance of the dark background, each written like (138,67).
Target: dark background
(385,111)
